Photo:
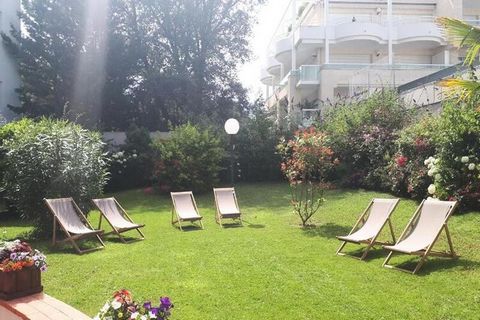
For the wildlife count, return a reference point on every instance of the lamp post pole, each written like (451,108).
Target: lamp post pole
(231,128)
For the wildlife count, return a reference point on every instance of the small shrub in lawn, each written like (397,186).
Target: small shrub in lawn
(51,159)
(307,161)
(189,160)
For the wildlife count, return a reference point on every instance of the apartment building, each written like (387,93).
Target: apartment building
(326,49)
(9,78)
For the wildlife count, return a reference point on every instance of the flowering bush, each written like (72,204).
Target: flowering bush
(16,255)
(51,159)
(407,172)
(363,135)
(307,162)
(122,307)
(456,166)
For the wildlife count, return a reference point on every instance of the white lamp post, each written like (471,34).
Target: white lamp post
(231,128)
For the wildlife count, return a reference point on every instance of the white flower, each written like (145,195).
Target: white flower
(116,305)
(152,315)
(465,159)
(134,155)
(143,318)
(134,315)
(430,173)
(471,166)
(436,161)
(431,189)
(430,165)
(438,177)
(105,307)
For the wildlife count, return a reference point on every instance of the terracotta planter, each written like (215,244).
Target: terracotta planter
(21,283)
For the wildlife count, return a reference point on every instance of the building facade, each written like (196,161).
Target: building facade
(324,50)
(9,78)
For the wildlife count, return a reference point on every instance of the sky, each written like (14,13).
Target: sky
(268,17)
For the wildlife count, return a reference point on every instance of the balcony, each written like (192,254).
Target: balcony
(308,35)
(417,32)
(283,49)
(309,75)
(273,66)
(266,78)
(359,28)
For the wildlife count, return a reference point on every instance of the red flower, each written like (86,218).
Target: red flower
(401,161)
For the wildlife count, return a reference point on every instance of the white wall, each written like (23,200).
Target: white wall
(9,79)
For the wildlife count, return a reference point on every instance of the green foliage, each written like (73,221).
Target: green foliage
(132,165)
(458,154)
(362,134)
(255,147)
(189,160)
(307,162)
(407,170)
(166,61)
(50,159)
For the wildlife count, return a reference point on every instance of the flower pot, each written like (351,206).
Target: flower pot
(16,284)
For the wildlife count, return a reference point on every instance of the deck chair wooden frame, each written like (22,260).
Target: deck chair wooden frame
(369,242)
(179,220)
(428,251)
(72,237)
(219,215)
(118,231)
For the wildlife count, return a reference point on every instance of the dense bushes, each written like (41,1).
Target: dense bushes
(386,145)
(362,134)
(49,159)
(189,160)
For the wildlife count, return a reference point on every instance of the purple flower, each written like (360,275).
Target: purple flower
(165,302)
(43,268)
(147,305)
(155,311)
(13,256)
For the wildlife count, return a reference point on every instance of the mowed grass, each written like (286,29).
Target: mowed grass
(270,268)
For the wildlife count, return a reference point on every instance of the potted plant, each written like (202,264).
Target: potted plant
(20,269)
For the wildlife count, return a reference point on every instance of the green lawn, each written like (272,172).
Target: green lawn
(270,268)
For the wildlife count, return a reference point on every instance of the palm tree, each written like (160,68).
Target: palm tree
(463,35)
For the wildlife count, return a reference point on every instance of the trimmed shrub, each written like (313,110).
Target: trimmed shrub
(132,165)
(50,159)
(189,160)
(255,148)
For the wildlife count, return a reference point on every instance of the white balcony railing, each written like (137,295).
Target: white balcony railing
(309,74)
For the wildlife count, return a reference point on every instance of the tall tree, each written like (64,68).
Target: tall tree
(166,61)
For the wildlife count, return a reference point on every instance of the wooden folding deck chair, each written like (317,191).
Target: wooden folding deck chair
(368,227)
(422,231)
(117,217)
(73,223)
(227,205)
(184,208)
